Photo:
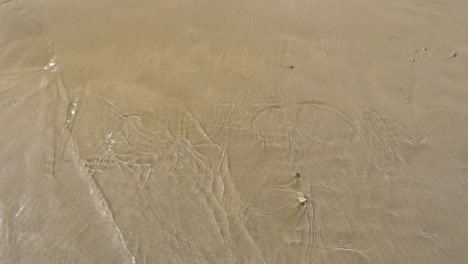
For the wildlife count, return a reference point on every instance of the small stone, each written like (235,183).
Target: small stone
(424,48)
(302,200)
(298,175)
(411,59)
(453,54)
(291,66)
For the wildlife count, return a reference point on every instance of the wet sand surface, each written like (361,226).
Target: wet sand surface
(233,131)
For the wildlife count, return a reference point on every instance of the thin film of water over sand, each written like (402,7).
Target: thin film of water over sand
(233,132)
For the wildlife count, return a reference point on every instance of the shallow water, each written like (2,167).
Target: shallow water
(173,131)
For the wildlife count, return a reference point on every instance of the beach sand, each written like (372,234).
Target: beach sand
(211,131)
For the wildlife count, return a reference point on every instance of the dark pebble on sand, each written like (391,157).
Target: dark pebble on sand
(298,175)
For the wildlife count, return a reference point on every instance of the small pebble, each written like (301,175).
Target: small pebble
(291,66)
(453,54)
(424,48)
(73,112)
(302,200)
(411,59)
(298,175)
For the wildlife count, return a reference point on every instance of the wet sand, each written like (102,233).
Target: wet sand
(233,131)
